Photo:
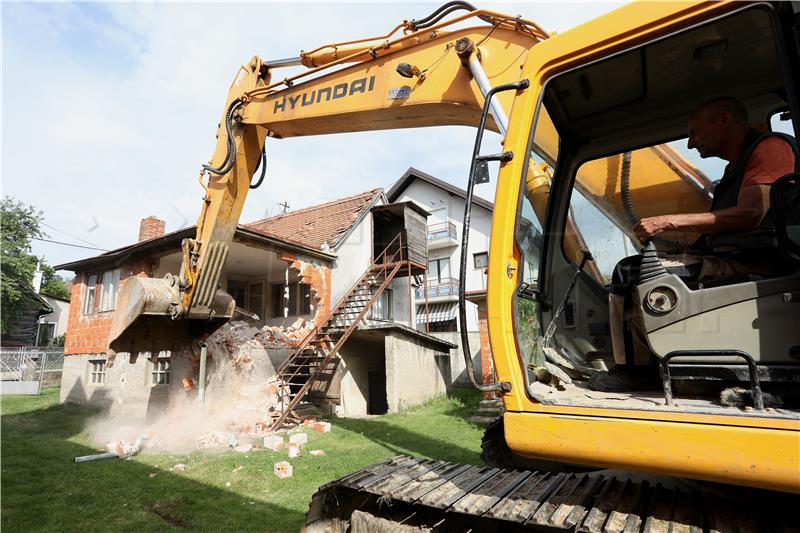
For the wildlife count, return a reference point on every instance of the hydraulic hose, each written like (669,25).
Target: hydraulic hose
(263,164)
(442,12)
(230,155)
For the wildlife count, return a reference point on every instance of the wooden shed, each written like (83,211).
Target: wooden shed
(410,222)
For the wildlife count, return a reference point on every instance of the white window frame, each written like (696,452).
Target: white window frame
(109,289)
(97,372)
(382,307)
(161,371)
(475,260)
(89,294)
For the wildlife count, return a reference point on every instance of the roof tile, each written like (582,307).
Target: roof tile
(319,224)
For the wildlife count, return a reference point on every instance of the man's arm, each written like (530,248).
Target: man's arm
(750,207)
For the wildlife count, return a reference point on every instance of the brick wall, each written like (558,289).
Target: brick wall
(88,333)
(487,363)
(319,278)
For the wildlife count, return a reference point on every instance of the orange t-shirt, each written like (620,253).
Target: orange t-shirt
(772,159)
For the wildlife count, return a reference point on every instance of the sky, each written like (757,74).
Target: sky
(108,110)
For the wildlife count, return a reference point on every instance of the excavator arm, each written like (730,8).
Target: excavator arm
(428,72)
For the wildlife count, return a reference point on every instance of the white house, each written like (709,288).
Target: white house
(445,203)
(52,325)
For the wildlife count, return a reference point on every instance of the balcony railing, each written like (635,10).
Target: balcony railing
(445,287)
(441,231)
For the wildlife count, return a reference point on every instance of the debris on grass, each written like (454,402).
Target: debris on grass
(274,442)
(216,439)
(322,427)
(298,439)
(283,469)
(238,468)
(294,450)
(180,467)
(154,474)
(243,448)
(316,453)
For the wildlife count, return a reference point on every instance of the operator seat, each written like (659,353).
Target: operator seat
(760,317)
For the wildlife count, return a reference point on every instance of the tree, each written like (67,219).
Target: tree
(52,284)
(19,223)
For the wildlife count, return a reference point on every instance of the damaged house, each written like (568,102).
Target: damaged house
(290,275)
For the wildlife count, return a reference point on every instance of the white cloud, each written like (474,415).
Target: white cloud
(108,110)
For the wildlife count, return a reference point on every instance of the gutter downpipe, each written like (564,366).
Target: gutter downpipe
(201,391)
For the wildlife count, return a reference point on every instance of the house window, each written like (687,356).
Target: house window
(97,371)
(255,298)
(89,294)
(480,260)
(299,299)
(161,372)
(109,289)
(238,290)
(438,270)
(47,330)
(382,308)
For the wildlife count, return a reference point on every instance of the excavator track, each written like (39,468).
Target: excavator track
(407,494)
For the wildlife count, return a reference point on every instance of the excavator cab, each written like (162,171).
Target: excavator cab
(612,126)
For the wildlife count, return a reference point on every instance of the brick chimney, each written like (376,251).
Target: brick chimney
(151,228)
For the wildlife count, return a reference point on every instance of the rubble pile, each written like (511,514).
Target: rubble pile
(276,336)
(243,398)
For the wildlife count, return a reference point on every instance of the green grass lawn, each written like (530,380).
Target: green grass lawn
(44,490)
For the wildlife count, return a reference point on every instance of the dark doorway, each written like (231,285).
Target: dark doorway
(376,399)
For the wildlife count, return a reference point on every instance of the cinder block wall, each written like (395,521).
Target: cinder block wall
(412,375)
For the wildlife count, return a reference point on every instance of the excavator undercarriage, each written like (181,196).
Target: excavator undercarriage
(407,494)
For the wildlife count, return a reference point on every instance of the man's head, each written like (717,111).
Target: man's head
(717,127)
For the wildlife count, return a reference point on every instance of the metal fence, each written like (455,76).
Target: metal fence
(24,370)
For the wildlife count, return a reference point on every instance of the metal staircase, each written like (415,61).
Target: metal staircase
(314,362)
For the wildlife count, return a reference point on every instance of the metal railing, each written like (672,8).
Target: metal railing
(32,365)
(441,231)
(434,288)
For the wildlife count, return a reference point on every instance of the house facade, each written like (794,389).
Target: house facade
(292,266)
(52,325)
(446,202)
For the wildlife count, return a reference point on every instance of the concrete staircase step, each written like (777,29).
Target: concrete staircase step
(497,403)
(489,411)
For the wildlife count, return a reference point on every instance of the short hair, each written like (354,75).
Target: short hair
(726,104)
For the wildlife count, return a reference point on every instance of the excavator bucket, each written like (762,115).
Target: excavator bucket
(143,319)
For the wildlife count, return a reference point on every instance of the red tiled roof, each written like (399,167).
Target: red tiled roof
(318,224)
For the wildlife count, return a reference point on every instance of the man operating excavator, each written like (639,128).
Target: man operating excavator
(717,128)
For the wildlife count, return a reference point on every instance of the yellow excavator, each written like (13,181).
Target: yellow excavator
(589,120)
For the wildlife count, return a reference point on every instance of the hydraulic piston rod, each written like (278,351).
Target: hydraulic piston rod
(468,53)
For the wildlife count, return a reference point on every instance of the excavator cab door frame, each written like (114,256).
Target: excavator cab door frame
(600,433)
